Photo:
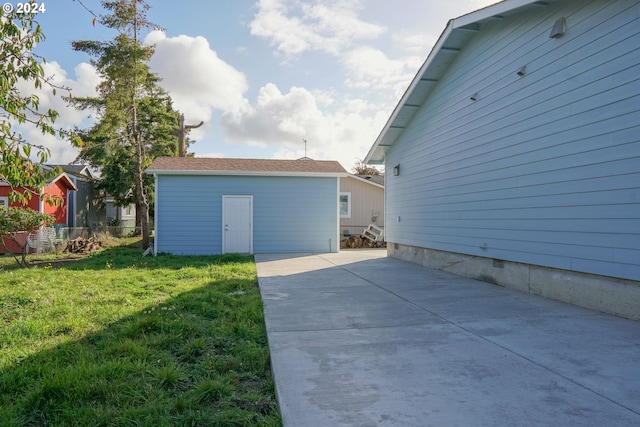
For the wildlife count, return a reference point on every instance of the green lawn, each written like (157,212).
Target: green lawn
(120,340)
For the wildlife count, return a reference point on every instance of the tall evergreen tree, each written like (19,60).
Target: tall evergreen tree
(136,118)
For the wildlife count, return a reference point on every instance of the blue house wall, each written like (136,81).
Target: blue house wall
(542,169)
(290,214)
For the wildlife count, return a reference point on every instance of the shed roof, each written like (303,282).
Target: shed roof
(82,171)
(378,179)
(257,167)
(455,35)
(375,180)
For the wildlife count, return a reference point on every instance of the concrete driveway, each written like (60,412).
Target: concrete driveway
(358,339)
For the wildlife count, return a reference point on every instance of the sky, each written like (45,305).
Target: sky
(263,75)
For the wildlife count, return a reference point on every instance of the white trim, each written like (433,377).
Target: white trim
(224,219)
(4,199)
(245,173)
(348,194)
(66,177)
(337,244)
(155,215)
(71,216)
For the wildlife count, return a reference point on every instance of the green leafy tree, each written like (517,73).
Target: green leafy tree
(16,224)
(18,36)
(136,119)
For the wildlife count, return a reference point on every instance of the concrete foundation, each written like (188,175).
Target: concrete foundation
(607,294)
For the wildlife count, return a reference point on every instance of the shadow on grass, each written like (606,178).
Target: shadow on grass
(199,358)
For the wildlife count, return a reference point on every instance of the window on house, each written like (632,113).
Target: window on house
(345,205)
(4,201)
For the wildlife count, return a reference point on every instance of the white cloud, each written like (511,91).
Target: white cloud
(293,26)
(198,81)
(340,24)
(83,85)
(274,119)
(287,34)
(195,77)
(418,44)
(87,79)
(284,120)
(479,4)
(62,152)
(341,136)
(334,27)
(370,68)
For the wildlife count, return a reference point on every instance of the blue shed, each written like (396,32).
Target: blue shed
(514,155)
(207,206)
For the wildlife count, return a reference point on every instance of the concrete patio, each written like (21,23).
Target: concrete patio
(359,339)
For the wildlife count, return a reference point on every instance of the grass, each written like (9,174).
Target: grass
(115,339)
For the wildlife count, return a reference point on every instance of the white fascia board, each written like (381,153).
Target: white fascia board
(416,80)
(65,176)
(246,173)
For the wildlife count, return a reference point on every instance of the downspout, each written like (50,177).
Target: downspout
(337,218)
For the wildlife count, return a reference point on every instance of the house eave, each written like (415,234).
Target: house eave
(446,49)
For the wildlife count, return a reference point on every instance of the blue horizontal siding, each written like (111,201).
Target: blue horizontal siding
(290,214)
(544,169)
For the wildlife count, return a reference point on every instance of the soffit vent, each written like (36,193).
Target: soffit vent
(559,28)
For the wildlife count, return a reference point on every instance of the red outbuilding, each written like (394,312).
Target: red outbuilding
(60,186)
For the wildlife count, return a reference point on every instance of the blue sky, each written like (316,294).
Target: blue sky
(263,75)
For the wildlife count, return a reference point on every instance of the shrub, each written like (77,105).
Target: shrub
(14,220)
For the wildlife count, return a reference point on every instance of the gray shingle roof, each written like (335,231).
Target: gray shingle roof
(206,165)
(82,171)
(378,179)
(71,168)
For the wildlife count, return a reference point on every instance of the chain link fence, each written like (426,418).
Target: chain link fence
(99,231)
(57,238)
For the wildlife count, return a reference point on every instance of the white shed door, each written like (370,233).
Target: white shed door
(237,219)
